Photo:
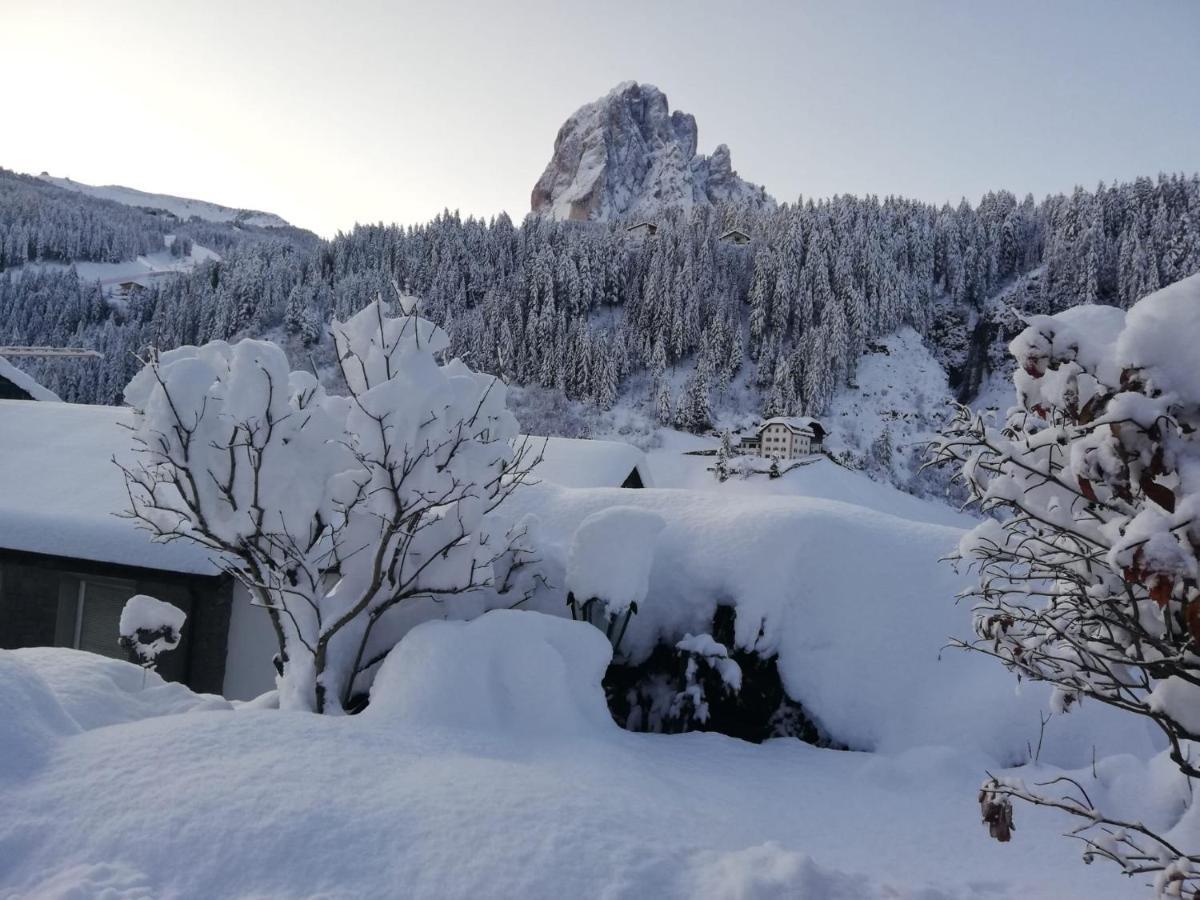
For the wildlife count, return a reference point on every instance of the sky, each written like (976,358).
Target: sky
(332,113)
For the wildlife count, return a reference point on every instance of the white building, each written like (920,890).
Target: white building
(786,437)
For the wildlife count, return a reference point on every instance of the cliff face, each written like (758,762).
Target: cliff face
(628,155)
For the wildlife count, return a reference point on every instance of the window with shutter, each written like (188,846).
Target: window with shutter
(98,616)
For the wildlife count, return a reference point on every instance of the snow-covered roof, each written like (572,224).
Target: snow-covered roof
(800,424)
(59,488)
(577,463)
(24,381)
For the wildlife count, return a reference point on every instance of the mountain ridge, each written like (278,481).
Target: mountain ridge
(183,208)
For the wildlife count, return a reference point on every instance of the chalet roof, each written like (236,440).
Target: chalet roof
(59,488)
(734,234)
(22,382)
(578,463)
(798,424)
(653,226)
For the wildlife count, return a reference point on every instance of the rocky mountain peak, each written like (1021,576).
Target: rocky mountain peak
(628,155)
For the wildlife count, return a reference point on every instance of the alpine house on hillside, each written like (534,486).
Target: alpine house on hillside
(786,437)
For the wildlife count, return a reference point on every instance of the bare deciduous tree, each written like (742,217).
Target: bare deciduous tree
(348,518)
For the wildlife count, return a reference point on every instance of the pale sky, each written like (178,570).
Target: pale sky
(337,111)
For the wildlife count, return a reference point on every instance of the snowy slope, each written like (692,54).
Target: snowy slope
(900,399)
(181,207)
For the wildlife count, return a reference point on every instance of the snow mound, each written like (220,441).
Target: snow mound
(622,534)
(854,602)
(507,671)
(31,718)
(95,691)
(1161,335)
(769,872)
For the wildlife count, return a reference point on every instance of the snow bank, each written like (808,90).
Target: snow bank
(95,691)
(508,671)
(855,603)
(202,806)
(31,719)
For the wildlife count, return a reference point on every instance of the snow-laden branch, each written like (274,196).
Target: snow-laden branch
(333,511)
(1089,568)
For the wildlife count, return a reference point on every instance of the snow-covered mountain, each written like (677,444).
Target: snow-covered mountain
(627,154)
(180,207)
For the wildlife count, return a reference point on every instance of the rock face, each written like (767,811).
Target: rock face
(628,155)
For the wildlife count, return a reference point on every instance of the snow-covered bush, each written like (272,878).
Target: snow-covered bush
(149,627)
(704,682)
(349,518)
(1089,575)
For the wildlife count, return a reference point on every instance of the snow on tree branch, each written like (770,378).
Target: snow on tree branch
(338,514)
(1088,571)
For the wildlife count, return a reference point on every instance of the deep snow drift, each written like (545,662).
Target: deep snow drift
(852,599)
(432,794)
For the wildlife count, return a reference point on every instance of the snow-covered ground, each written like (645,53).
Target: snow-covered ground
(182,207)
(492,774)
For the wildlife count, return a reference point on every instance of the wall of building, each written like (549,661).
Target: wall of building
(249,670)
(39,601)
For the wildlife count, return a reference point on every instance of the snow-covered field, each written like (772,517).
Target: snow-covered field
(487,764)
(492,774)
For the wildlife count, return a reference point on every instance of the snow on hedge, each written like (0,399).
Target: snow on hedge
(610,557)
(854,601)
